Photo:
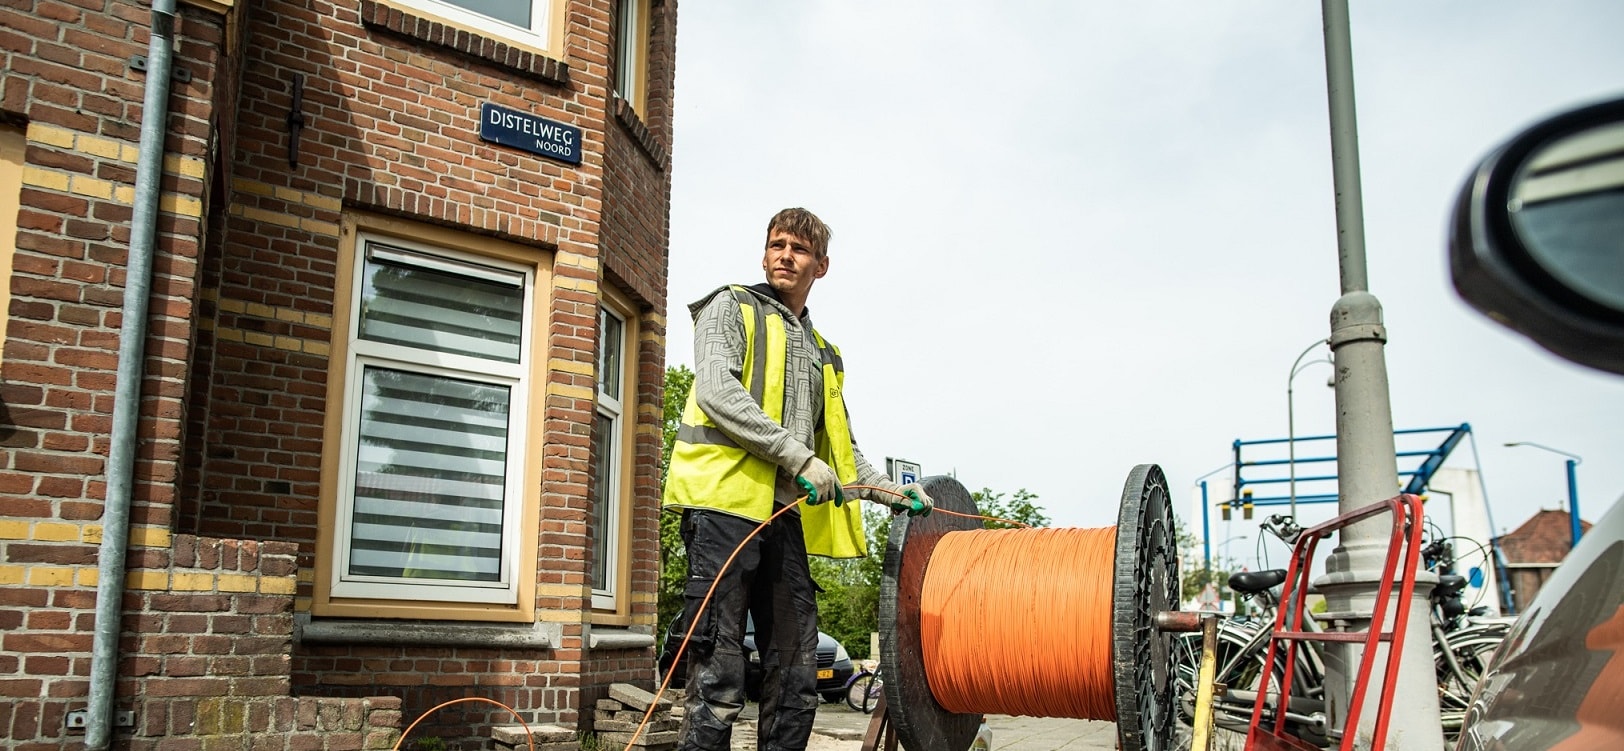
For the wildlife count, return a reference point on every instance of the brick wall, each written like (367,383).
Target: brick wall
(231,437)
(635,238)
(65,73)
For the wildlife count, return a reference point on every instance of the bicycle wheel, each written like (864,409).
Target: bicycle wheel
(863,692)
(1240,657)
(1471,649)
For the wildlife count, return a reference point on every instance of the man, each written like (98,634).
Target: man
(764,425)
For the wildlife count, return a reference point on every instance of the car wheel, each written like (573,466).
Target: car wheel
(834,697)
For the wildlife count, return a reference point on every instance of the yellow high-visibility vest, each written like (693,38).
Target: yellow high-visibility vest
(709,471)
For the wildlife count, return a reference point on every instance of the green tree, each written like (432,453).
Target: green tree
(1020,508)
(679,380)
(1195,573)
(849,605)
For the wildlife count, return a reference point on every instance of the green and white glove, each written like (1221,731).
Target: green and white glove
(820,483)
(915,503)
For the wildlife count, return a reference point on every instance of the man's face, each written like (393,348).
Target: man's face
(791,265)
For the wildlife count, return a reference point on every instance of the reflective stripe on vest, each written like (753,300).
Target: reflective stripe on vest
(709,470)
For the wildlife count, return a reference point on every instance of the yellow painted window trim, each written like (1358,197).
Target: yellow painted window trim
(639,41)
(223,7)
(622,305)
(13,146)
(523,608)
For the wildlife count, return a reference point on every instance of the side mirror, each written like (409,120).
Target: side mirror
(1537,237)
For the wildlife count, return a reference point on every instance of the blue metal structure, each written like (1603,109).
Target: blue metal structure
(1322,485)
(1416,451)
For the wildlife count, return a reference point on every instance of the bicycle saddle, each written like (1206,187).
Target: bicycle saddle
(1253,582)
(1449,585)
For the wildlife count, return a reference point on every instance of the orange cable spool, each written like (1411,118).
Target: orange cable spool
(1039,622)
(993,646)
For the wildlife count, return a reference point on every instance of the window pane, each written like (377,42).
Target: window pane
(516,12)
(603,437)
(610,334)
(430,477)
(440,311)
(626,38)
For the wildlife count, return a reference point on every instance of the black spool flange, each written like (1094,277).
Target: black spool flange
(1145,582)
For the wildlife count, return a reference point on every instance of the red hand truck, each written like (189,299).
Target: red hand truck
(1288,628)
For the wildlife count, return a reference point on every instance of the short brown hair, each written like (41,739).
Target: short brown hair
(805,225)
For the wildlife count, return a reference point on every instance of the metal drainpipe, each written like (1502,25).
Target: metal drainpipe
(127,393)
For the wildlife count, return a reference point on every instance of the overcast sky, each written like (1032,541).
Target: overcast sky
(1071,237)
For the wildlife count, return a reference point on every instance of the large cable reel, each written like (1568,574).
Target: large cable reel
(1145,583)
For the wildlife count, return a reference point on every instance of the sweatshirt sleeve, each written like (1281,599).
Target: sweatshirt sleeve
(718,389)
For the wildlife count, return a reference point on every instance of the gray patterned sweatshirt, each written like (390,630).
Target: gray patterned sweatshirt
(719,367)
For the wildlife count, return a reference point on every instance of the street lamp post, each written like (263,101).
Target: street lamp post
(1573,461)
(1366,458)
(1291,417)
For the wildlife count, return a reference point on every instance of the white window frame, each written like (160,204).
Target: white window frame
(609,489)
(361,353)
(543,17)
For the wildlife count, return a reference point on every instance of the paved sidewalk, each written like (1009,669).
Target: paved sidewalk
(838,728)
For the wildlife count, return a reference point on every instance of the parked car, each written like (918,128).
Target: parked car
(1537,244)
(834,664)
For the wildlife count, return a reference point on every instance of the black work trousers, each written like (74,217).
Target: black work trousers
(770,581)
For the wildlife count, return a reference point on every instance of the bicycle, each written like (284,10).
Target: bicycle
(1462,646)
(863,690)
(1240,658)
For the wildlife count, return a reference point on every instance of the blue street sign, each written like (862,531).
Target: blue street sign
(522,130)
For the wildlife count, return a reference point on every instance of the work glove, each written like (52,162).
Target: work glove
(820,483)
(914,500)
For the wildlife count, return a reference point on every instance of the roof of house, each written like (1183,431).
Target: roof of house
(1544,538)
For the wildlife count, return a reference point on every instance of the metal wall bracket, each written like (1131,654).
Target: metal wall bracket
(122,718)
(296,120)
(139,62)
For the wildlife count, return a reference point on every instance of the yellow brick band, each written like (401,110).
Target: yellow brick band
(89,577)
(183,205)
(55,532)
(51,135)
(577,260)
(281,585)
(192,582)
(105,148)
(13,530)
(303,198)
(571,366)
(250,186)
(50,576)
(42,178)
(561,590)
(147,580)
(238,583)
(583,285)
(12,574)
(151,537)
(578,392)
(285,343)
(90,186)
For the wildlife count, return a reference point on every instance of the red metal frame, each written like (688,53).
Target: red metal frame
(1406,511)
